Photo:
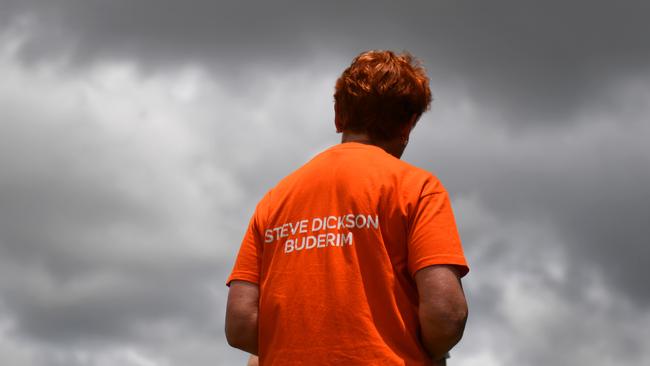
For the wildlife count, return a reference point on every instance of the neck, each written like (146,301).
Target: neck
(394,146)
(356,137)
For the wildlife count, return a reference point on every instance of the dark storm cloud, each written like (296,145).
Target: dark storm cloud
(94,241)
(533,60)
(102,246)
(121,207)
(533,305)
(591,180)
(80,261)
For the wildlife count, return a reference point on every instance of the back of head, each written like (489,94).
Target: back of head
(380,93)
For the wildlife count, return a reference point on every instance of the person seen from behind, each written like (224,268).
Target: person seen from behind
(354,258)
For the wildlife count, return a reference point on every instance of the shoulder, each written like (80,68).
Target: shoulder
(418,178)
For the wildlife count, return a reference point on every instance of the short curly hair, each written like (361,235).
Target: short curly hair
(379,93)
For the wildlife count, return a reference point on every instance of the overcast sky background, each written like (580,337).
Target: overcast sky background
(136,138)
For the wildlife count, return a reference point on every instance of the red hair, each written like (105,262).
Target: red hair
(379,94)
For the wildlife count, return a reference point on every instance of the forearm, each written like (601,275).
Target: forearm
(440,333)
(243,335)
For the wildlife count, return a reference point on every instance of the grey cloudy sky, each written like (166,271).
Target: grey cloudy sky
(137,136)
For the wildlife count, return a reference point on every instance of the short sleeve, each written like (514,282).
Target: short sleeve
(433,236)
(248,262)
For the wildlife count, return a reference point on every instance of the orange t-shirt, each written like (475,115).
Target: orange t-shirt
(334,247)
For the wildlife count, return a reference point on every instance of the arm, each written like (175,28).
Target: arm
(241,316)
(442,308)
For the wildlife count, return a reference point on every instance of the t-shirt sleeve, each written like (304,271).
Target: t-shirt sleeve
(248,263)
(433,236)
